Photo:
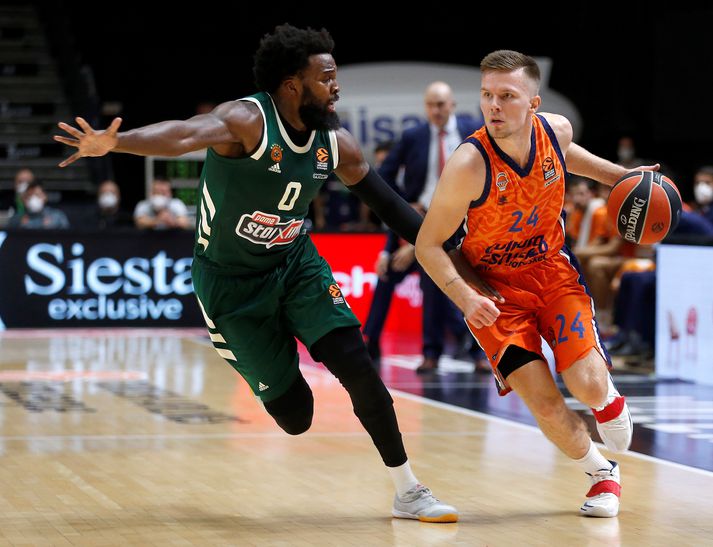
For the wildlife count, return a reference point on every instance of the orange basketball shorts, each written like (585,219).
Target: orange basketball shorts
(548,300)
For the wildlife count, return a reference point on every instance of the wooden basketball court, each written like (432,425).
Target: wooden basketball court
(147,437)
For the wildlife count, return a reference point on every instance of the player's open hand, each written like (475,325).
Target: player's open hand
(89,142)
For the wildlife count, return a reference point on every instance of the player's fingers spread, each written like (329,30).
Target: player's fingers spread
(71,159)
(65,140)
(69,129)
(114,127)
(84,125)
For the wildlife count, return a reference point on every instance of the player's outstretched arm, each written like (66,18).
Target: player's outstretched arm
(231,122)
(584,163)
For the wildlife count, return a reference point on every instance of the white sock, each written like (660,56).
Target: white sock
(612,394)
(403,478)
(593,460)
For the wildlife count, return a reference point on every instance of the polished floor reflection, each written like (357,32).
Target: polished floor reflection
(146,437)
(673,420)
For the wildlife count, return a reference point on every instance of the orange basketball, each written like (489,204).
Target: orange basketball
(645,206)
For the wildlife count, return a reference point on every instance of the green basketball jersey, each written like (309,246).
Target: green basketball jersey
(252,209)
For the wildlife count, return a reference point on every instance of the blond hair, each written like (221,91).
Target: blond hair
(506,60)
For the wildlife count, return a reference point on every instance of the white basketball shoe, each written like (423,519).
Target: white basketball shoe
(420,504)
(603,497)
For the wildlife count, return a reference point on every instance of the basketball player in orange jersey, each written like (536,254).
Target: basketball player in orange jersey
(508,179)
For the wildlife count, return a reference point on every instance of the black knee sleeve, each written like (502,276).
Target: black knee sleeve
(293,410)
(344,354)
(514,358)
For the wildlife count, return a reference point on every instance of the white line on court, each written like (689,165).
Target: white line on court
(205,436)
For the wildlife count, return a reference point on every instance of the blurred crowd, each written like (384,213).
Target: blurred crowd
(29,208)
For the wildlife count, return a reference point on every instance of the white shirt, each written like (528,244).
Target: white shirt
(144,209)
(452,141)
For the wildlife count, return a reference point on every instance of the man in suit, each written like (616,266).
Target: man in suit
(421,154)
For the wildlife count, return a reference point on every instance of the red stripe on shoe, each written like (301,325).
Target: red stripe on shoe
(611,411)
(605,487)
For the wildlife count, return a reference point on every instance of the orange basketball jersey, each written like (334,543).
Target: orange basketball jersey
(517,222)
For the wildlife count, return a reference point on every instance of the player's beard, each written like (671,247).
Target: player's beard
(316,116)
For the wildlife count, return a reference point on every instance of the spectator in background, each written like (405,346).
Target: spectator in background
(703,191)
(161,211)
(36,214)
(596,244)
(336,208)
(109,215)
(587,221)
(635,301)
(420,155)
(626,153)
(23,178)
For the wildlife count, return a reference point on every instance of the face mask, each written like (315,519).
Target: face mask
(35,204)
(21,187)
(108,200)
(625,153)
(159,202)
(703,193)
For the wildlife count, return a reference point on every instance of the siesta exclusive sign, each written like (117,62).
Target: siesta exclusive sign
(56,279)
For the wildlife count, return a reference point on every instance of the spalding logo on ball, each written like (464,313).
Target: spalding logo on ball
(645,206)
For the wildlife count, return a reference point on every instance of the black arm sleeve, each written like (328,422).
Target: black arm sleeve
(388,205)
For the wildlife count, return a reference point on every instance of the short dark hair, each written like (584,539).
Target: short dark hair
(706,170)
(34,184)
(506,60)
(285,52)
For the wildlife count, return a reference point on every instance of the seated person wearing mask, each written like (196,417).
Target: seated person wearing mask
(108,214)
(36,214)
(161,211)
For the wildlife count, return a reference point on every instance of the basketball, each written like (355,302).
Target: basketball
(645,206)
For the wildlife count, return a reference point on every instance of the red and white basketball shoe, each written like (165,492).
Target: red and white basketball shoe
(603,497)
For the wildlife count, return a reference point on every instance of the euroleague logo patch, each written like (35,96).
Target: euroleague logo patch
(276,153)
(336,293)
(322,158)
(549,171)
(501,181)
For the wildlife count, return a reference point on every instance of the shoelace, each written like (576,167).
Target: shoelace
(420,489)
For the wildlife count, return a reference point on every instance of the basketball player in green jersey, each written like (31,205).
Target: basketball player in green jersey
(258,277)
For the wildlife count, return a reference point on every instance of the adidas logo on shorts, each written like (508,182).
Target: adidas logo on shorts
(261,386)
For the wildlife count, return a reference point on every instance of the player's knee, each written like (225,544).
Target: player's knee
(589,384)
(294,409)
(592,394)
(344,353)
